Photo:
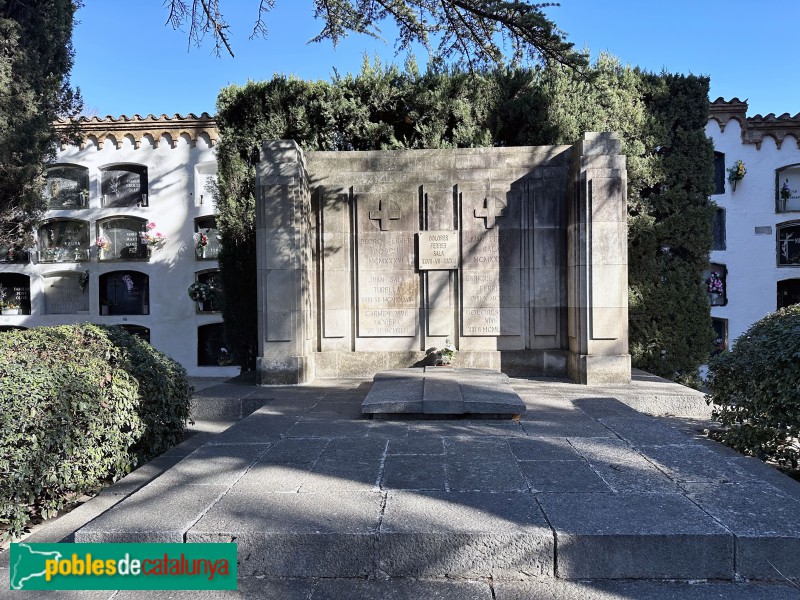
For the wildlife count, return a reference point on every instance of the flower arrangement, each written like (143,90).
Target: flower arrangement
(736,173)
(204,292)
(155,240)
(786,192)
(225,357)
(202,239)
(715,284)
(444,355)
(103,243)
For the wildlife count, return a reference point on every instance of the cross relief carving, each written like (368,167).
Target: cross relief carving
(387,211)
(493,208)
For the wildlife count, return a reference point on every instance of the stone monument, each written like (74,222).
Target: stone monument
(518,255)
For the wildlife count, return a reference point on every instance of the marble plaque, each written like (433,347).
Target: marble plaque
(438,250)
(124,293)
(67,188)
(63,295)
(63,241)
(124,239)
(125,187)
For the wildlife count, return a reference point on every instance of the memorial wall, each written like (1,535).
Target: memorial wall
(367,259)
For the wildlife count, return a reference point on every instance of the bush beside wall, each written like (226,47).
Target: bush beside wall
(80,404)
(755,389)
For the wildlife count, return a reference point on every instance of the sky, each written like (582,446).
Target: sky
(128,61)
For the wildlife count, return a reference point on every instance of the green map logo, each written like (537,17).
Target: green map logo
(122,566)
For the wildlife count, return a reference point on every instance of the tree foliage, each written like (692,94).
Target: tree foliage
(755,389)
(37,56)
(661,120)
(471,31)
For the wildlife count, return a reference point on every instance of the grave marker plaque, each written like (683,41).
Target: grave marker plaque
(438,250)
(67,188)
(63,294)
(64,241)
(125,186)
(124,293)
(388,286)
(124,238)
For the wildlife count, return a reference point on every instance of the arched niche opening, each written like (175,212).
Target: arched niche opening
(66,293)
(788,250)
(788,292)
(211,350)
(120,238)
(15,294)
(63,240)
(124,185)
(66,187)
(124,293)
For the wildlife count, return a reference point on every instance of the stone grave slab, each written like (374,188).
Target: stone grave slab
(442,391)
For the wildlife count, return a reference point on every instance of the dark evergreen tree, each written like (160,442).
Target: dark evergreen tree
(37,55)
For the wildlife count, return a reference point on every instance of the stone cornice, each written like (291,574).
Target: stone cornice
(755,129)
(137,127)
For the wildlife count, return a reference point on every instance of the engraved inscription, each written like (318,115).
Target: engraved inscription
(378,251)
(438,250)
(387,289)
(387,322)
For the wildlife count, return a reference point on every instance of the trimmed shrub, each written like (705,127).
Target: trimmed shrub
(755,389)
(80,404)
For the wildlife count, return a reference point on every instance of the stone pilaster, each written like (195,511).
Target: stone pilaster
(597,262)
(283,242)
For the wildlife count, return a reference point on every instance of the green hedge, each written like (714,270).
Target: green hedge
(755,388)
(80,404)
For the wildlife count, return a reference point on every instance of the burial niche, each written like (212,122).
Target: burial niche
(788,189)
(15,294)
(66,293)
(124,186)
(789,244)
(119,238)
(211,350)
(788,292)
(63,240)
(124,293)
(67,187)
(206,238)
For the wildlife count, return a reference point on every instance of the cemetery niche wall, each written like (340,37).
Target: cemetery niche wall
(518,256)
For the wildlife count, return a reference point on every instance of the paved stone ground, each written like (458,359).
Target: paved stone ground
(578,499)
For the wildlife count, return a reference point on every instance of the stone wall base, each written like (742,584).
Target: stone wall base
(596,370)
(521,363)
(285,370)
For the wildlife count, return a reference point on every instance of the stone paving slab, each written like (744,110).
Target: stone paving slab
(764,522)
(154,514)
(309,490)
(296,535)
(470,534)
(636,536)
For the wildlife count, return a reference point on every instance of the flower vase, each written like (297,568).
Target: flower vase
(102,254)
(201,252)
(10,311)
(149,252)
